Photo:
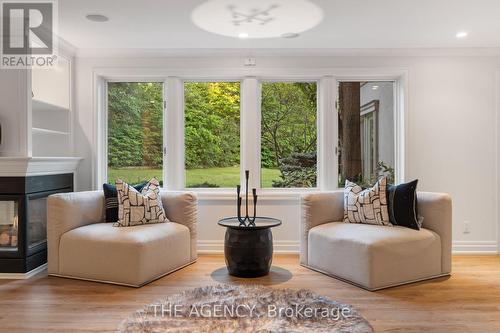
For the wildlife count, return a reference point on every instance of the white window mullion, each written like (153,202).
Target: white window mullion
(173,134)
(327,134)
(100,169)
(400,107)
(250,131)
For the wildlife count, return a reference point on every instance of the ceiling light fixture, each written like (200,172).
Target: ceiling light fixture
(461,34)
(375,87)
(257,18)
(242,35)
(97,18)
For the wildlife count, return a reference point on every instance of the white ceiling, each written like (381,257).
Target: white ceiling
(347,24)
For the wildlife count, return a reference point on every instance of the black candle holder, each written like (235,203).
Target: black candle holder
(247,218)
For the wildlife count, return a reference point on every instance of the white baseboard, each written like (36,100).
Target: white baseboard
(217,246)
(23,276)
(210,246)
(475,247)
(285,247)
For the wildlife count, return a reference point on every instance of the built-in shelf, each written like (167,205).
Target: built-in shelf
(51,114)
(41,122)
(38,105)
(37,130)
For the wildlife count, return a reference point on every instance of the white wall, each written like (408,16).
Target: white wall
(13,112)
(451,136)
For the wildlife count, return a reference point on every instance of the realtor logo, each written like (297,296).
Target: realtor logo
(28,34)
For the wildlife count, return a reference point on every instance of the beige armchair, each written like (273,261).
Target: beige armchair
(81,246)
(375,257)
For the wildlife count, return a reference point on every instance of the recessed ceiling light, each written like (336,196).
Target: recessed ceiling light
(97,18)
(290,35)
(242,35)
(461,34)
(374,87)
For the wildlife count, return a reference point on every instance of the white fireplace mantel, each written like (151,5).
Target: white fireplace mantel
(37,166)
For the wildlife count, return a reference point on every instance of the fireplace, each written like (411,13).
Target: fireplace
(23,219)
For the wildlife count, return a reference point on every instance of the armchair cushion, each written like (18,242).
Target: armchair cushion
(374,257)
(130,256)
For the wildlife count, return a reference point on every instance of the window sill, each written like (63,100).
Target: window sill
(263,195)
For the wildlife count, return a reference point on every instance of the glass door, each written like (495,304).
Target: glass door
(9,225)
(37,222)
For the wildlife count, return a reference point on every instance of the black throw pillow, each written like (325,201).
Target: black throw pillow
(402,201)
(111,200)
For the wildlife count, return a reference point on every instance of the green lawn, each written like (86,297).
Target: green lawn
(133,176)
(223,177)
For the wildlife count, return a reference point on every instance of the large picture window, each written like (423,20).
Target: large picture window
(289,134)
(295,134)
(135,127)
(212,134)
(366,132)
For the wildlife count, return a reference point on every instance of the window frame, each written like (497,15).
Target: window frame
(102,91)
(399,111)
(250,115)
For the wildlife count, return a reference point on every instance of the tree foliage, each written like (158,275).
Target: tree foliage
(135,116)
(212,127)
(212,124)
(298,170)
(288,122)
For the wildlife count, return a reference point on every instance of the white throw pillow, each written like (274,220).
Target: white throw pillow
(136,208)
(367,206)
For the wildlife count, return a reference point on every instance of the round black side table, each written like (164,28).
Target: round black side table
(249,249)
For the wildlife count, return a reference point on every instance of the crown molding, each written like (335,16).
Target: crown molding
(66,48)
(280,52)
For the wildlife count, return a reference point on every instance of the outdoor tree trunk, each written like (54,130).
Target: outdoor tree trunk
(350,105)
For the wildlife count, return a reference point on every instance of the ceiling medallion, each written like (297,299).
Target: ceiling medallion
(257,18)
(256,15)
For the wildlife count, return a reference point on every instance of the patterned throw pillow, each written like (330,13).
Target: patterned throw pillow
(367,206)
(135,208)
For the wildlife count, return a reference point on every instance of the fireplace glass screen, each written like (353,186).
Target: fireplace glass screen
(9,219)
(37,221)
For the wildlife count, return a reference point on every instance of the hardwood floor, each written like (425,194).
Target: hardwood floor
(468,301)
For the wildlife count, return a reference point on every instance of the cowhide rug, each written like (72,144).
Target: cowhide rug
(242,309)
